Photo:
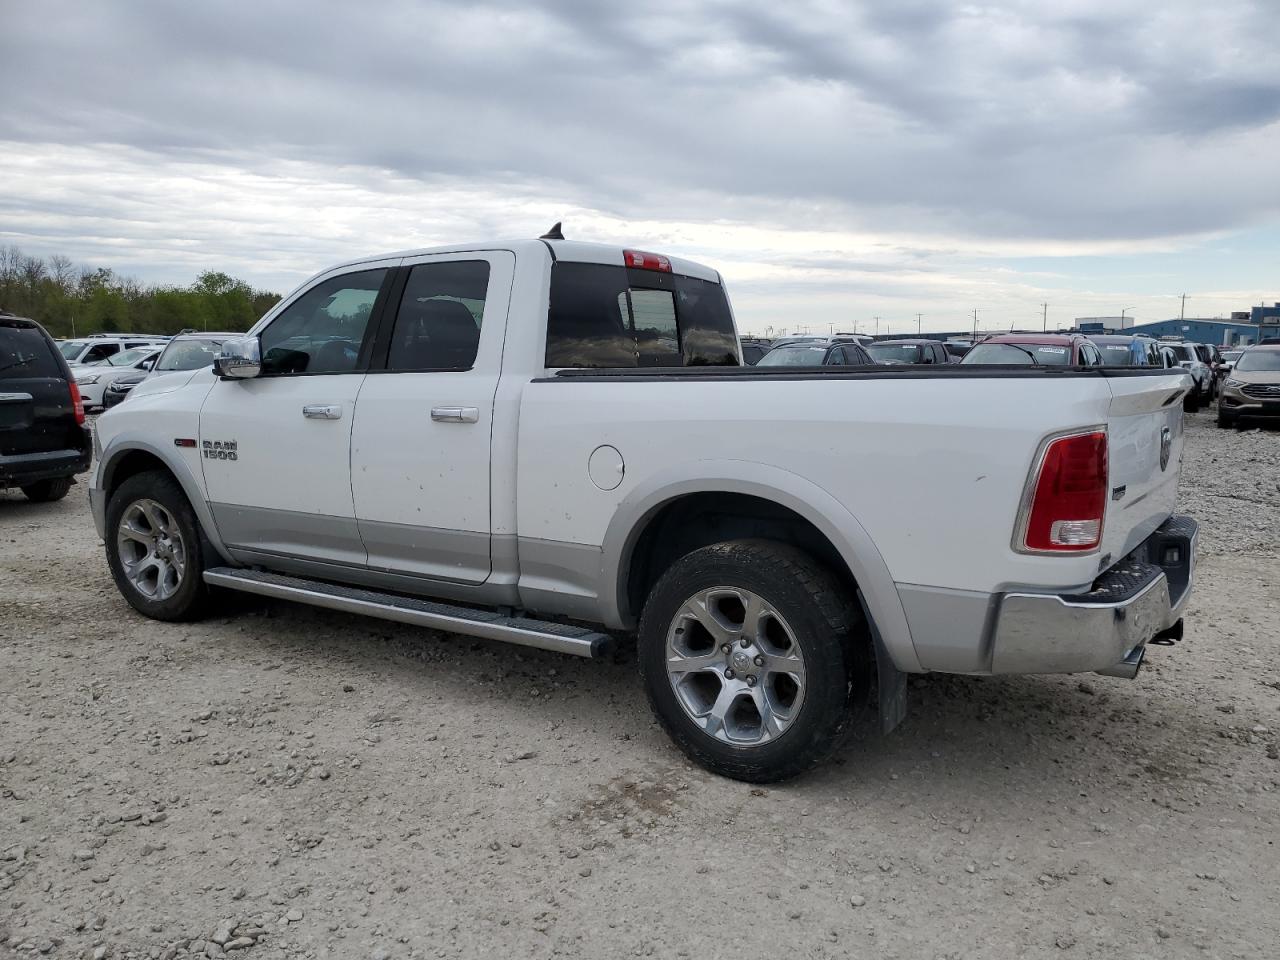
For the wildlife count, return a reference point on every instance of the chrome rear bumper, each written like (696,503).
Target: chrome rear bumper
(1107,629)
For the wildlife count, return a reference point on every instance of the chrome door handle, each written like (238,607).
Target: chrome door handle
(455,414)
(322,411)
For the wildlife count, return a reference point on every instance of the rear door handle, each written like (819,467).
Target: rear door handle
(322,411)
(455,414)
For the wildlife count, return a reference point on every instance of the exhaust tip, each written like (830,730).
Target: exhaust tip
(1127,668)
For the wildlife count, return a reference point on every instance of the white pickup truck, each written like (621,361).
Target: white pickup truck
(531,441)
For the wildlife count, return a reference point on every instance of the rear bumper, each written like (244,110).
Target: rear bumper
(21,469)
(1106,629)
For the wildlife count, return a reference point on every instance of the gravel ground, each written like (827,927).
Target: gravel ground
(286,782)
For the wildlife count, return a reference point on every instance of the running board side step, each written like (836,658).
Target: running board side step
(557,637)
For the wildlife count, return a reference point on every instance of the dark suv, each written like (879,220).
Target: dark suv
(43,440)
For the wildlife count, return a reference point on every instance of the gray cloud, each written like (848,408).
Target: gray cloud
(1080,120)
(872,156)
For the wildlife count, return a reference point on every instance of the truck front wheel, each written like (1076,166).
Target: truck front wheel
(755,659)
(154,548)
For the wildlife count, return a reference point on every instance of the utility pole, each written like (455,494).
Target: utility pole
(877,326)
(1182,314)
(918,324)
(975,324)
(1045,327)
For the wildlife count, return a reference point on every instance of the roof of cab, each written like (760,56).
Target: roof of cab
(575,251)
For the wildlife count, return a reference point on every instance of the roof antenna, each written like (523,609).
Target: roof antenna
(553,234)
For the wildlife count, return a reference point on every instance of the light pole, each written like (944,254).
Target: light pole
(1045,326)
(918,316)
(1122,313)
(877,326)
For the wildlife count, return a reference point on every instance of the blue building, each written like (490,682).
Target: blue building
(1220,333)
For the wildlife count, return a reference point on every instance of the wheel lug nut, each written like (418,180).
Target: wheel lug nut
(745,641)
(759,660)
(725,648)
(729,674)
(751,680)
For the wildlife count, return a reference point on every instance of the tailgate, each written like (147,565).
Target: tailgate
(36,416)
(1144,425)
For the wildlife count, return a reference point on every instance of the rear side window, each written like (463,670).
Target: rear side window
(25,354)
(612,316)
(438,323)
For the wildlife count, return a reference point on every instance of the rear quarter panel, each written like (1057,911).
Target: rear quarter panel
(932,469)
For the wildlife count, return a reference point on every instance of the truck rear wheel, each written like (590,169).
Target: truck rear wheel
(154,548)
(755,659)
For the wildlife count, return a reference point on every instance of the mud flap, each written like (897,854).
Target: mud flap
(891,683)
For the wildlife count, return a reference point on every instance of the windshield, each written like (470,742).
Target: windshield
(1116,355)
(1231,355)
(189,354)
(902,352)
(796,356)
(1258,360)
(1040,354)
(1183,353)
(128,358)
(71,348)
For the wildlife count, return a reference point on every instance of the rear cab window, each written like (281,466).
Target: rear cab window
(25,353)
(602,315)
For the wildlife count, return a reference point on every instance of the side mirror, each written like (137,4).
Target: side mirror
(241,359)
(146,364)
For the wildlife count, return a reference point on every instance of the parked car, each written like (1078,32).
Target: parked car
(956,349)
(908,351)
(1229,358)
(1194,362)
(1124,351)
(43,440)
(817,353)
(117,390)
(1253,388)
(184,352)
(798,338)
(93,380)
(753,348)
(510,450)
(1035,349)
(95,349)
(861,339)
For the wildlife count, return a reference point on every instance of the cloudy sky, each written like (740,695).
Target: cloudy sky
(837,161)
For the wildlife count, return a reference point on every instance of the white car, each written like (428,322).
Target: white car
(94,379)
(97,348)
(1190,359)
(539,441)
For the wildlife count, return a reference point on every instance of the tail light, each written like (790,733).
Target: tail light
(77,402)
(1067,496)
(646,261)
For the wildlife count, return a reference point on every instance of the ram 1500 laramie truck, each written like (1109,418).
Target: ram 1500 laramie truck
(541,441)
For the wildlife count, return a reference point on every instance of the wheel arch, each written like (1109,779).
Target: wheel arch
(731,499)
(129,458)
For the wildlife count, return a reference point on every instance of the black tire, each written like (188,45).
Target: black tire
(828,627)
(188,601)
(47,491)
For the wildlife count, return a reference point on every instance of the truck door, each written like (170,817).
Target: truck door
(420,448)
(276,449)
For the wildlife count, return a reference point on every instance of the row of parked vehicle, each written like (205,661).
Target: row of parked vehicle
(46,386)
(1207,365)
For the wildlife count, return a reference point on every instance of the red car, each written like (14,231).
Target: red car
(1036,349)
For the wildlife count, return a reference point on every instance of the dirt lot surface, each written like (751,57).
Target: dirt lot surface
(286,782)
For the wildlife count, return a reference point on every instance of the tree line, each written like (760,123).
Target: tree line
(72,300)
